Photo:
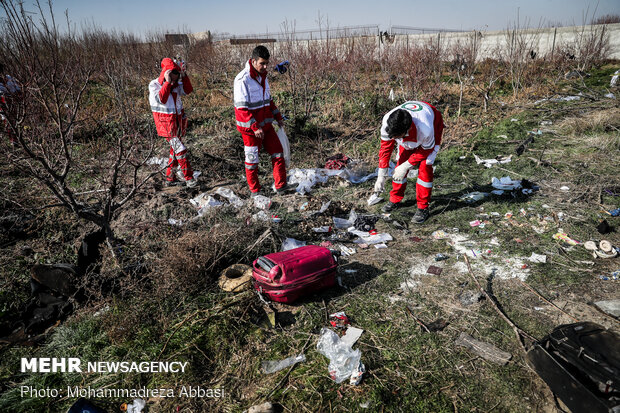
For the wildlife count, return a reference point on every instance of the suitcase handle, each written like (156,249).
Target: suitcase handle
(265,263)
(271,268)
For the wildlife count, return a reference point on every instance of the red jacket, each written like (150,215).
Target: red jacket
(254,107)
(165,101)
(425,132)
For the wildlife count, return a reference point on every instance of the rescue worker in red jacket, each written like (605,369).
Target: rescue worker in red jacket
(9,90)
(417,127)
(165,99)
(254,114)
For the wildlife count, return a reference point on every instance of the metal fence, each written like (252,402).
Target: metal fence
(419,30)
(290,33)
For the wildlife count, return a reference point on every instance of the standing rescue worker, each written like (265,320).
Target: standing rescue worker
(254,114)
(417,127)
(165,99)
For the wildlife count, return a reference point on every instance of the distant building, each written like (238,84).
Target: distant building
(177,39)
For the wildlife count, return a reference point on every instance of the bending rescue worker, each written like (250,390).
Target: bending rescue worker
(417,127)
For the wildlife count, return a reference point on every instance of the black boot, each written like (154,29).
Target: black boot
(420,216)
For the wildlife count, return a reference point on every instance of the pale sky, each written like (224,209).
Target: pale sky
(244,17)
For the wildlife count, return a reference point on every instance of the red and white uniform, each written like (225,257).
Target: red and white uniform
(255,109)
(169,115)
(8,87)
(419,147)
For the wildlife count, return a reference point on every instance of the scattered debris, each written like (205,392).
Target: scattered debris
(228,194)
(261,216)
(370,239)
(505,183)
(603,227)
(476,223)
(60,278)
(351,336)
(469,297)
(262,202)
(604,249)
(306,179)
(614,276)
(472,197)
(499,159)
(337,162)
(537,258)
(344,362)
(235,278)
(322,229)
(611,307)
(441,257)
(204,202)
(434,270)
(272,366)
(374,199)
(339,320)
(485,350)
(365,222)
(580,364)
(291,243)
(562,236)
(266,407)
(136,406)
(356,375)
(521,147)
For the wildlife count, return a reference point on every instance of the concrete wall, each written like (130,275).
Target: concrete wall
(543,42)
(540,41)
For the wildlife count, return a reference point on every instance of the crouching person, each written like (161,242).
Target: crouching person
(417,128)
(165,99)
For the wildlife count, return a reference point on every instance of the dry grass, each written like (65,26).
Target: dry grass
(605,120)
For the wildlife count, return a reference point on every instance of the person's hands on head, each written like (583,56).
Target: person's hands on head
(167,76)
(259,133)
(172,75)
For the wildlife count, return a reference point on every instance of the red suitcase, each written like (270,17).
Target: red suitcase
(286,276)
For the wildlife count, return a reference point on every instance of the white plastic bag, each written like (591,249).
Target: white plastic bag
(262,202)
(286,146)
(292,243)
(230,195)
(343,361)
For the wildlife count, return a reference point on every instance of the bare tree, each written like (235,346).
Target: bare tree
(521,45)
(77,129)
(464,63)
